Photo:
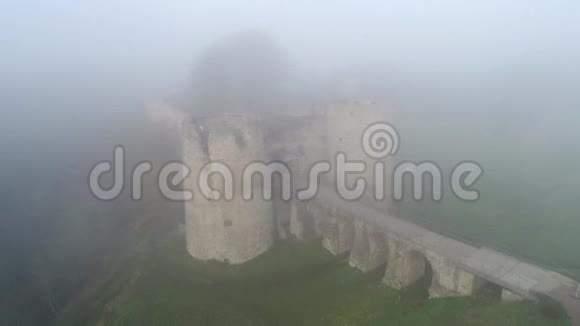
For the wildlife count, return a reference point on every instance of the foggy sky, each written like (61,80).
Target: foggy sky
(154,43)
(69,61)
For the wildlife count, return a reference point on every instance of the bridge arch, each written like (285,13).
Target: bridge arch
(405,265)
(369,249)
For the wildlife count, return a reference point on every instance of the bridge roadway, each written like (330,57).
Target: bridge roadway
(517,276)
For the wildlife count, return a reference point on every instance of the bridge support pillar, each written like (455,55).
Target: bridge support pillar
(337,235)
(450,281)
(303,223)
(282,210)
(404,266)
(369,249)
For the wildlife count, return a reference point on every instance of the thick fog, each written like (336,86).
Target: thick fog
(137,45)
(76,77)
(70,68)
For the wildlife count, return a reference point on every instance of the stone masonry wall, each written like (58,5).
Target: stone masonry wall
(345,123)
(237,230)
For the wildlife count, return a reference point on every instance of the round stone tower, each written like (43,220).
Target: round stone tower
(235,230)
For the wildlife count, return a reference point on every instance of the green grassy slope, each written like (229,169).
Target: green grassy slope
(296,283)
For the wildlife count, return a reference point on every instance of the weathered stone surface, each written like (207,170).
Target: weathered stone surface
(450,281)
(405,265)
(282,211)
(337,235)
(234,230)
(303,225)
(298,141)
(316,216)
(369,249)
(346,122)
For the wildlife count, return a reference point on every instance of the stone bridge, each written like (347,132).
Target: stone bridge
(374,239)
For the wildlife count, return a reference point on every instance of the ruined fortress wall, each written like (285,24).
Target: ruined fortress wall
(301,141)
(311,140)
(298,141)
(234,230)
(239,230)
(345,124)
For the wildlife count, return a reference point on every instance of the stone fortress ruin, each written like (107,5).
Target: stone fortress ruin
(367,231)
